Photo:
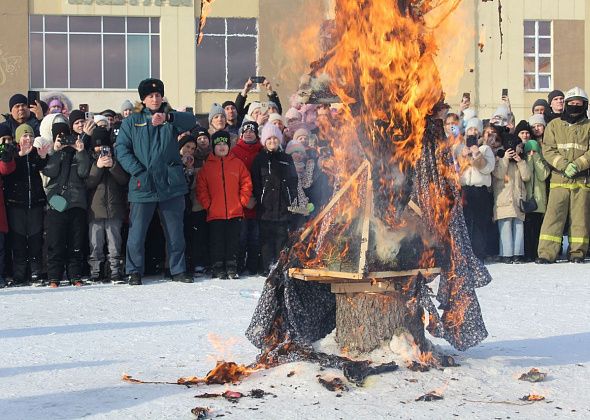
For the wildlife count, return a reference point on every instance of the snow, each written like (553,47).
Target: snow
(64,351)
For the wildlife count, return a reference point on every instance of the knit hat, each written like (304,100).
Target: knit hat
(148,86)
(216,109)
(293,114)
(275,117)
(540,102)
(76,115)
(16,99)
(532,145)
(253,106)
(108,113)
(300,132)
(220,137)
(101,137)
(294,146)
(271,104)
(500,116)
(522,125)
(554,94)
(186,139)
(474,123)
(226,103)
(537,119)
(22,130)
(60,126)
(249,125)
(270,130)
(199,131)
(98,118)
(127,104)
(5,130)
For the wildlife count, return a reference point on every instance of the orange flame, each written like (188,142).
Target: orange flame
(205,11)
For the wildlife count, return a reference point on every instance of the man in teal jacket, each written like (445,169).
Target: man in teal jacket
(147,149)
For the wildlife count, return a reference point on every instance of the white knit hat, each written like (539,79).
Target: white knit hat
(475,123)
(537,119)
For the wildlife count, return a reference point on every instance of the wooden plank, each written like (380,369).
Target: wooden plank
(333,201)
(414,206)
(366,223)
(364,287)
(314,272)
(388,274)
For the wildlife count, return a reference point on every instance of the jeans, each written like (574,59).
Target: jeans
(98,231)
(172,217)
(511,237)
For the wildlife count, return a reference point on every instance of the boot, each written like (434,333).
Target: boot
(232,270)
(218,271)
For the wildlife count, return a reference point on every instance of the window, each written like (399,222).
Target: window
(93,52)
(538,73)
(228,54)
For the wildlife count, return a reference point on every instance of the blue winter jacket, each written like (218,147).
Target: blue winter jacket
(150,155)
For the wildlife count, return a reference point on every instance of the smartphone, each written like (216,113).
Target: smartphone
(467,95)
(83,107)
(32,96)
(105,151)
(89,115)
(258,79)
(471,141)
(504,92)
(189,109)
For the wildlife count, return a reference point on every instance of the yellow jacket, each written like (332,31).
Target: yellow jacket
(564,143)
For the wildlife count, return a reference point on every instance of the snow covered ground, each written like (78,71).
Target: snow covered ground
(64,351)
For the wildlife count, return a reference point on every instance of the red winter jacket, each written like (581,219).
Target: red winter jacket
(6,168)
(246,152)
(223,187)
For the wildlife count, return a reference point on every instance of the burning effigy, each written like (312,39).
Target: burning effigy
(364,264)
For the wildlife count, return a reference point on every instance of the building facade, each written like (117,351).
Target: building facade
(96,51)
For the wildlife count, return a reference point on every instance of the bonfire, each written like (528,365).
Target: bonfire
(363,266)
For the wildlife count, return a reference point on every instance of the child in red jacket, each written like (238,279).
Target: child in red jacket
(224,188)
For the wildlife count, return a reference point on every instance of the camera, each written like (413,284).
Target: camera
(471,141)
(512,141)
(105,151)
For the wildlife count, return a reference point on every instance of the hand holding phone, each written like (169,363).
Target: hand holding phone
(504,92)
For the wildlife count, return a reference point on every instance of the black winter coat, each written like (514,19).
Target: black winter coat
(107,191)
(79,168)
(33,122)
(274,181)
(24,187)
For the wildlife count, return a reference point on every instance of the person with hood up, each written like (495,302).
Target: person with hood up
(67,169)
(566,148)
(274,181)
(25,202)
(247,148)
(224,188)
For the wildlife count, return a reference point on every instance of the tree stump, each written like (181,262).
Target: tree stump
(364,321)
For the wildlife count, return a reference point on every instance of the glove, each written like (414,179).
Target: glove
(532,145)
(571,170)
(310,207)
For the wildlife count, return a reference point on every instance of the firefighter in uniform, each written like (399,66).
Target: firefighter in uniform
(566,147)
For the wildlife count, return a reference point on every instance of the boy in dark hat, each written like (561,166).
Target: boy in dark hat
(147,149)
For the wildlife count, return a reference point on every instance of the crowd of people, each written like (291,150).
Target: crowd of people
(80,190)
(525,185)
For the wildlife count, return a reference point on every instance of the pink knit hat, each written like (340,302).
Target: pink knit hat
(270,130)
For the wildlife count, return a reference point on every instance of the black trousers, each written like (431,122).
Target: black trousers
(478,215)
(224,237)
(25,241)
(66,232)
(273,237)
(196,234)
(532,231)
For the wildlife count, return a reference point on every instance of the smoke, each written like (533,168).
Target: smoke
(387,241)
